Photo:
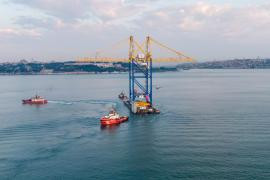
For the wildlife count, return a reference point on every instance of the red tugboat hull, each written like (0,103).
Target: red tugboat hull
(106,121)
(29,101)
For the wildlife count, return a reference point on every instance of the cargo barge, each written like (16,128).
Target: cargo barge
(138,107)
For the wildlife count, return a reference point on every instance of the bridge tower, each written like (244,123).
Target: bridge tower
(140,71)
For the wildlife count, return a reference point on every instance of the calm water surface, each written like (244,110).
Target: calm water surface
(215,124)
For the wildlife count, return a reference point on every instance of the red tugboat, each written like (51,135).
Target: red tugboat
(112,119)
(35,100)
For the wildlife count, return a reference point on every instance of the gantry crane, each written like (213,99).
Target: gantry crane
(140,72)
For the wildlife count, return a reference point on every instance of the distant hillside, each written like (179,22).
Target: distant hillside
(24,67)
(229,64)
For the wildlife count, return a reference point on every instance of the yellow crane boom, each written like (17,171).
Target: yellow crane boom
(180,57)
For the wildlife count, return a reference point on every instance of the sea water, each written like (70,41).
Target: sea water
(214,124)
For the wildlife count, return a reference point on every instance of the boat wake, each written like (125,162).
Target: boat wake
(102,102)
(61,102)
(96,102)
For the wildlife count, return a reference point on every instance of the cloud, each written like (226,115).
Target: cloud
(200,24)
(68,10)
(207,18)
(29,22)
(197,17)
(11,32)
(73,10)
(190,24)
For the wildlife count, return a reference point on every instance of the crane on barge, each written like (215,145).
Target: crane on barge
(140,100)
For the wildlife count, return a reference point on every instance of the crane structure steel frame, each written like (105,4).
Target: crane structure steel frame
(140,67)
(140,70)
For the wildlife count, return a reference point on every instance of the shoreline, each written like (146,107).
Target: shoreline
(65,73)
(107,73)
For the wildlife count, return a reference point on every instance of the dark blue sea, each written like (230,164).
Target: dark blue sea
(214,124)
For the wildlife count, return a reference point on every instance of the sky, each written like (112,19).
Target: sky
(59,30)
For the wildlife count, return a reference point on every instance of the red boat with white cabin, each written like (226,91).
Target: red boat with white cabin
(112,119)
(35,100)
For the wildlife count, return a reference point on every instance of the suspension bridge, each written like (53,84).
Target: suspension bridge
(140,59)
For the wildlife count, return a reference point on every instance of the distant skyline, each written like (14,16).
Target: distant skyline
(47,30)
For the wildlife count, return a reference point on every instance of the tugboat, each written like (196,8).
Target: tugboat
(112,119)
(35,100)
